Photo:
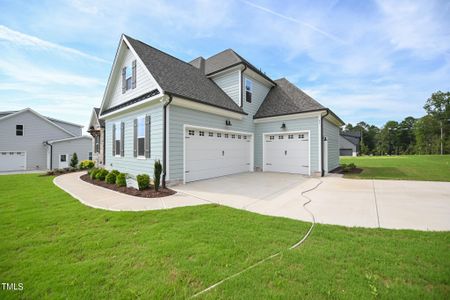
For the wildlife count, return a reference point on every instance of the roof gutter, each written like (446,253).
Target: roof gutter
(51,154)
(165,140)
(322,172)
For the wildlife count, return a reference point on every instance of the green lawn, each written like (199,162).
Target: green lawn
(409,167)
(60,248)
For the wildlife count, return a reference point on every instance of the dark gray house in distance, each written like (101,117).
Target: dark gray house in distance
(349,143)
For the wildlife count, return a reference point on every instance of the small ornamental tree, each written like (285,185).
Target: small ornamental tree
(74,160)
(157,174)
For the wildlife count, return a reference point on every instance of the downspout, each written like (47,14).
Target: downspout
(322,173)
(165,140)
(51,154)
(242,85)
(104,144)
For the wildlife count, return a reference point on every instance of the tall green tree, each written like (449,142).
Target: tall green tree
(438,107)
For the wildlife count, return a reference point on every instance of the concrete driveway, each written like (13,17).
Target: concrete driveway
(389,204)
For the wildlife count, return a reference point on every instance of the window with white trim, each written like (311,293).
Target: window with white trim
(226,135)
(90,156)
(63,158)
(97,144)
(19,130)
(117,134)
(141,137)
(248,90)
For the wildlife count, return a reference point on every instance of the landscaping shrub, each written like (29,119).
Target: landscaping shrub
(143,181)
(121,179)
(111,177)
(101,174)
(87,164)
(92,172)
(157,172)
(74,160)
(348,167)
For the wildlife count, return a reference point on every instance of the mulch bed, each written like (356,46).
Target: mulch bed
(148,193)
(352,171)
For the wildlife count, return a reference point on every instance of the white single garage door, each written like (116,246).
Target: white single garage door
(13,161)
(212,153)
(287,152)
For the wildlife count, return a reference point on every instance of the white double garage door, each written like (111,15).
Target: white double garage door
(210,152)
(13,160)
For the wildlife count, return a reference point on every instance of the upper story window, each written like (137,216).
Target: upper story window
(141,136)
(19,130)
(117,137)
(129,77)
(248,90)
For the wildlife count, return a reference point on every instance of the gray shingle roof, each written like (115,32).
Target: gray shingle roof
(285,98)
(179,78)
(226,59)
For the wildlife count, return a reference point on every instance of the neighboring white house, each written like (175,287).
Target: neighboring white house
(30,141)
(210,117)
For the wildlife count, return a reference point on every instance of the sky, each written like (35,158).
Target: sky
(369,61)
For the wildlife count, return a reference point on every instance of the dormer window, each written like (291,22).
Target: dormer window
(248,90)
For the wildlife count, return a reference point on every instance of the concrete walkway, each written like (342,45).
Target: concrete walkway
(99,197)
(391,204)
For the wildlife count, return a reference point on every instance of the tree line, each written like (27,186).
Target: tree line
(429,134)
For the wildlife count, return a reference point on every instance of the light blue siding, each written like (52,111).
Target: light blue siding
(229,83)
(311,124)
(130,164)
(331,132)
(259,94)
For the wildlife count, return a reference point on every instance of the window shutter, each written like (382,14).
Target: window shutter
(122,138)
(147,136)
(133,77)
(124,80)
(135,137)
(114,139)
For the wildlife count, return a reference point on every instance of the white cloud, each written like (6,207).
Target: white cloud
(23,71)
(295,20)
(23,39)
(417,25)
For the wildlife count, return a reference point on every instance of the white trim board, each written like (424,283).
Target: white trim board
(288,117)
(186,126)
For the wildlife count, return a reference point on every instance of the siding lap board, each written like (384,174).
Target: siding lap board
(331,132)
(130,164)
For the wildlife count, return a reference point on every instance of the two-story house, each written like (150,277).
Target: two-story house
(30,141)
(210,117)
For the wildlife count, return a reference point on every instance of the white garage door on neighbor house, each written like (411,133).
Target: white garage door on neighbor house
(213,153)
(13,160)
(286,152)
